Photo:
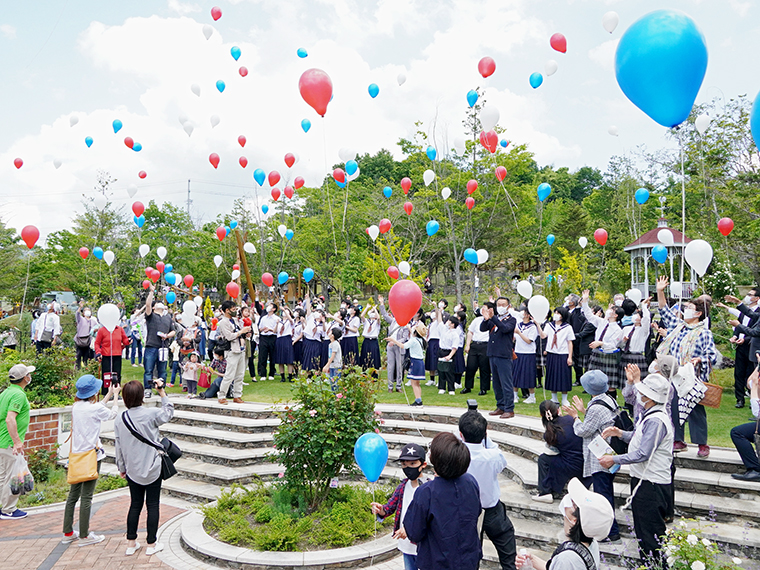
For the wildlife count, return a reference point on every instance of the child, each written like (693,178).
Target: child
(413,464)
(524,368)
(370,353)
(218,368)
(190,374)
(334,358)
(559,337)
(416,348)
(174,348)
(447,349)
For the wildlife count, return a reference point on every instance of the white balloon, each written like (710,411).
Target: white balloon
(698,254)
(235,274)
(525,289)
(178,280)
(347,154)
(73,120)
(132,190)
(550,67)
(208,31)
(538,307)
(401,78)
(613,130)
(215,120)
(195,88)
(144,250)
(161,251)
(248,247)
(489,116)
(482,256)
(404,268)
(446,193)
(108,257)
(100,201)
(676,289)
(610,21)
(198,300)
(702,122)
(665,237)
(109,315)
(428,177)
(57,163)
(583,242)
(355,175)
(218,260)
(183,118)
(373,232)
(634,295)
(282,229)
(189,307)
(188,127)
(459,145)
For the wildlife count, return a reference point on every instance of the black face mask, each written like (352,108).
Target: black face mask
(412,473)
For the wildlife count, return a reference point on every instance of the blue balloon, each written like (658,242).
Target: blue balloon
(235,53)
(301,53)
(373,90)
(660,253)
(549,278)
(536,79)
(220,85)
(259,176)
(168,268)
(341,184)
(642,195)
(432,228)
(471,255)
(306,125)
(472,97)
(227,229)
(233,224)
(282,277)
(351,167)
(550,239)
(289,235)
(117,125)
(754,120)
(543,191)
(139,221)
(171,296)
(660,63)
(97,251)
(88,141)
(170,278)
(504,143)
(431,153)
(308,274)
(371,454)
(137,147)
(265,208)
(387,191)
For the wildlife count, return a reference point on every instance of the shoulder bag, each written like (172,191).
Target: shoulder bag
(83,466)
(168,451)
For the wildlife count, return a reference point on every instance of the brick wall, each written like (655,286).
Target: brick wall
(43,430)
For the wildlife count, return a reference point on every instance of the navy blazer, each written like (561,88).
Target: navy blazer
(752,331)
(501,342)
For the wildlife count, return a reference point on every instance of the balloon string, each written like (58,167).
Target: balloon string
(26,284)
(327,185)
(683,212)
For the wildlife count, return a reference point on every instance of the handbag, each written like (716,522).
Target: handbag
(168,451)
(83,466)
(203,380)
(47,336)
(713,396)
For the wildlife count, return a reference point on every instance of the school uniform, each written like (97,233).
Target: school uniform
(524,368)
(459,363)
(267,343)
(607,357)
(298,345)
(433,339)
(500,346)
(558,373)
(477,357)
(448,341)
(283,349)
(634,349)
(349,342)
(416,355)
(577,319)
(370,352)
(395,353)
(540,356)
(312,343)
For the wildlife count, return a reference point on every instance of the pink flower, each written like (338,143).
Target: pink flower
(339,395)
(377,413)
(382,422)
(312,413)
(281,475)
(377,430)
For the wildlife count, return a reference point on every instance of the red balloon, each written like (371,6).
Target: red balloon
(316,89)
(213,158)
(129,142)
(725,226)
(501,173)
(559,43)
(275,194)
(221,232)
(384,225)
(489,140)
(161,266)
(243,161)
(233,289)
(298,182)
(216,13)
(18,163)
(142,174)
(406,184)
(84,252)
(408,207)
(393,272)
(339,175)
(146,284)
(288,192)
(138,208)
(472,185)
(600,236)
(189,280)
(241,140)
(247,322)
(214,321)
(235,266)
(155,275)
(30,235)
(267,279)
(486,66)
(243,71)
(148,272)
(470,202)
(274,178)
(290,160)
(404,299)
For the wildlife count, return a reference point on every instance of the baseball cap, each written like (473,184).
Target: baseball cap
(412,452)
(18,372)
(88,386)
(595,511)
(655,387)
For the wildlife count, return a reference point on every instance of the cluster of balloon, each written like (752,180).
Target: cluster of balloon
(489,140)
(543,191)
(660,253)
(308,274)
(583,242)
(660,64)
(538,307)
(475,257)
(30,235)
(373,90)
(486,67)
(641,195)
(432,227)
(698,254)
(600,236)
(725,226)
(404,299)
(371,454)
(316,88)
(525,289)
(550,239)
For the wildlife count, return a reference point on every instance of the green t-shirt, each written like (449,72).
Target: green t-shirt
(13,399)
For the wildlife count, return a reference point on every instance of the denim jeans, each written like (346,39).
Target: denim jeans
(150,361)
(136,348)
(410,562)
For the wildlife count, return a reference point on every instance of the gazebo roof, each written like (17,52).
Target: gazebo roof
(649,239)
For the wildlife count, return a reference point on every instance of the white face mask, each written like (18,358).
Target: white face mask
(441,305)
(87,314)
(501,310)
(639,399)
(618,302)
(556,317)
(609,314)
(689,314)
(747,300)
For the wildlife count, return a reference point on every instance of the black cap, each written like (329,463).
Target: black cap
(412,452)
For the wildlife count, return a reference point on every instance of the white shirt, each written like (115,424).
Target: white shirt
(47,322)
(564,334)
(268,321)
(371,328)
(477,334)
(531,331)
(638,335)
(311,330)
(286,328)
(414,346)
(434,331)
(353,322)
(611,331)
(485,465)
(460,332)
(404,544)
(449,340)
(298,331)
(85,425)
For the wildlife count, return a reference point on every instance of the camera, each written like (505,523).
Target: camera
(472,404)
(158,384)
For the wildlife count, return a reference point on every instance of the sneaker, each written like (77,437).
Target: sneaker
(750,475)
(430,383)
(132,549)
(202,395)
(457,386)
(408,383)
(704,451)
(15,515)
(271,377)
(262,378)
(69,539)
(92,538)
(530,400)
(452,393)
(441,392)
(158,547)
(247,383)
(517,400)
(147,394)
(416,403)
(135,366)
(679,446)
(548,498)
(615,538)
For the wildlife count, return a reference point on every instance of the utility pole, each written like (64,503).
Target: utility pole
(189,201)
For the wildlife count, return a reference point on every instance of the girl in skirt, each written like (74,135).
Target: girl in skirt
(541,352)
(300,318)
(416,347)
(349,342)
(370,354)
(635,325)
(336,322)
(431,355)
(524,368)
(459,363)
(283,348)
(606,354)
(559,354)
(446,354)
(313,329)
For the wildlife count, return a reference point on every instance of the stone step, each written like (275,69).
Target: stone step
(224,423)
(217,454)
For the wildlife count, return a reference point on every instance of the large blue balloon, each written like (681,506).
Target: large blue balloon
(432,228)
(220,85)
(351,167)
(471,255)
(660,253)
(282,277)
(472,97)
(137,147)
(431,153)
(117,124)
(536,79)
(550,239)
(139,221)
(289,235)
(387,191)
(642,195)
(235,53)
(308,274)
(302,53)
(170,278)
(543,191)
(660,64)
(754,120)
(371,454)
(259,176)
(306,125)
(88,141)
(171,296)
(98,252)
(228,230)
(265,208)
(373,90)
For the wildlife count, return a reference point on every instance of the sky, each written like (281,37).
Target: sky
(136,61)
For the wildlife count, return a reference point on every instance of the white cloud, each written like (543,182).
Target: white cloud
(8,31)
(182,8)
(604,54)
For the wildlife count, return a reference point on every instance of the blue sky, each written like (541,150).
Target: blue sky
(136,61)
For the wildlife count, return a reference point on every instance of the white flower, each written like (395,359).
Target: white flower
(682,523)
(697,565)
(692,539)
(736,561)
(705,542)
(669,550)
(671,560)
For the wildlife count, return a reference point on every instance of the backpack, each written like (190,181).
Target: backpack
(623,422)
(579,549)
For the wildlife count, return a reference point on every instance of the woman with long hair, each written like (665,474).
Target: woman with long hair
(563,458)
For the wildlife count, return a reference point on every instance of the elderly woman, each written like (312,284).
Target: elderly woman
(689,341)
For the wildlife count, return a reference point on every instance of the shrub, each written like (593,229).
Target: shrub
(687,549)
(41,462)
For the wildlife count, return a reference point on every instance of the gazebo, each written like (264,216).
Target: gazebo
(642,262)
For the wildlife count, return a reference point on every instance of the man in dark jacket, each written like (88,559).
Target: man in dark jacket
(501,327)
(746,338)
(577,320)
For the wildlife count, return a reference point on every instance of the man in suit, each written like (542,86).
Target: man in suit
(747,345)
(577,320)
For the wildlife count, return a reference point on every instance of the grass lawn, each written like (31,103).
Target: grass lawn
(720,421)
(56,489)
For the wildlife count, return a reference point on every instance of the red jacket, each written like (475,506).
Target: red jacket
(111,344)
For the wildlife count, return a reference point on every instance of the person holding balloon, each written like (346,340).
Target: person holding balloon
(394,352)
(559,337)
(312,335)
(268,325)
(108,348)
(416,347)
(283,349)
(501,326)
(606,354)
(159,329)
(370,353)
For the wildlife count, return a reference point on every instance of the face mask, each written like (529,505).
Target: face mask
(747,300)
(441,305)
(412,473)
(608,315)
(689,314)
(618,302)
(639,399)
(501,310)
(627,321)
(557,317)
(565,503)
(87,314)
